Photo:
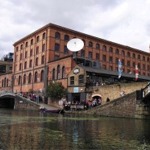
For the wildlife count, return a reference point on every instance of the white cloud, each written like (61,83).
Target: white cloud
(122,21)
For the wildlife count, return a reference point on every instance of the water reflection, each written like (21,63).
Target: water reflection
(33,130)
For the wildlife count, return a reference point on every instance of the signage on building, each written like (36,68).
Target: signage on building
(76,70)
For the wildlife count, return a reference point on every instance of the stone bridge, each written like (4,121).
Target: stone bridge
(16,101)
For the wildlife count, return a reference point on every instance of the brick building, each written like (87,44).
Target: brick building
(6,72)
(43,56)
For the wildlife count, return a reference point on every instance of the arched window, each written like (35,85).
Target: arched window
(37,39)
(30,65)
(117,51)
(35,77)
(44,35)
(128,54)
(66,37)
(42,76)
(31,52)
(57,47)
(24,79)
(104,48)
(65,50)
(90,44)
(36,61)
(19,80)
(97,46)
(58,71)
(53,74)
(31,42)
(63,72)
(57,35)
(110,49)
(29,78)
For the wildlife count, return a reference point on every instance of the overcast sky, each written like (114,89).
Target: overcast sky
(123,21)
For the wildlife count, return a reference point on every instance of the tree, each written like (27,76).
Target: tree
(56,91)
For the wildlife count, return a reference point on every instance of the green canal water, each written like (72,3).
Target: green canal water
(22,130)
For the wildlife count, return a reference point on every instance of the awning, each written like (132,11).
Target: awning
(96,95)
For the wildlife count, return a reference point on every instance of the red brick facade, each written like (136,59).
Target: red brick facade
(46,46)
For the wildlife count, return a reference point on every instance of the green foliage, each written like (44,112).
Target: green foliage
(55,91)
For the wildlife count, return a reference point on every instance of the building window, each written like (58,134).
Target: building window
(66,37)
(111,50)
(24,79)
(19,80)
(30,65)
(128,63)
(90,55)
(31,52)
(104,58)
(139,57)
(35,77)
(36,61)
(97,56)
(37,50)
(25,65)
(42,59)
(17,49)
(128,54)
(58,71)
(63,72)
(139,66)
(21,56)
(81,79)
(123,53)
(43,47)
(57,47)
(133,55)
(53,74)
(29,78)
(143,58)
(133,64)
(26,44)
(26,53)
(117,51)
(37,39)
(21,47)
(90,44)
(97,46)
(65,50)
(82,53)
(44,35)
(72,80)
(42,76)
(20,66)
(57,35)
(31,41)
(56,57)
(110,59)
(104,48)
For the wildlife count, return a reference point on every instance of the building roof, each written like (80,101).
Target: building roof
(112,73)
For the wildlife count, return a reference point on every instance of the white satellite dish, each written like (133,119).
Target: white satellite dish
(75,44)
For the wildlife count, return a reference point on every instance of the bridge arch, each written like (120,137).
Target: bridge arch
(7,100)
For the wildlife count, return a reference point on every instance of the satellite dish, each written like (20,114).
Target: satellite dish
(75,45)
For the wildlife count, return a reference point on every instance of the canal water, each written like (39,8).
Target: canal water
(28,130)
